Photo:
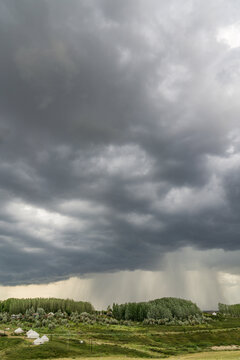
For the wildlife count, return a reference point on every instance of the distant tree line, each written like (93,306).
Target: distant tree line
(16,306)
(231,310)
(165,308)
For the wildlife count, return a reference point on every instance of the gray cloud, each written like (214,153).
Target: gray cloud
(119,135)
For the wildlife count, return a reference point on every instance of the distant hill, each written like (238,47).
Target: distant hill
(164,308)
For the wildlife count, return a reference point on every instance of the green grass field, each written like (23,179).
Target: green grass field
(127,342)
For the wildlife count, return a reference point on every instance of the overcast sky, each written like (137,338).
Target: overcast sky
(119,137)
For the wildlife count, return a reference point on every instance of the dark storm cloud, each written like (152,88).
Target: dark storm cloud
(119,134)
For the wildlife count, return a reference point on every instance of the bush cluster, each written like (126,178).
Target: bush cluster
(191,320)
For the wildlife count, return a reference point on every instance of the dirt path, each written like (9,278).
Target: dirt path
(220,355)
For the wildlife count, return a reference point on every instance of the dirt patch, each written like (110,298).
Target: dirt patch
(225,347)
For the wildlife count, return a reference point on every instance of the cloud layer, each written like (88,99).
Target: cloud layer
(119,135)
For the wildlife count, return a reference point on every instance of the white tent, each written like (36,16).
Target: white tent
(30,331)
(18,331)
(44,338)
(32,334)
(38,341)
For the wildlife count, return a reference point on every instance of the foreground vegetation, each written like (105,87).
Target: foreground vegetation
(136,341)
(112,333)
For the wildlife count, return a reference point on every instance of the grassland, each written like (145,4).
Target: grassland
(127,342)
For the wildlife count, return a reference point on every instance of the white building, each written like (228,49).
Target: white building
(18,331)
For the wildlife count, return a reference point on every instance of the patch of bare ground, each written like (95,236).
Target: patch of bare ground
(225,347)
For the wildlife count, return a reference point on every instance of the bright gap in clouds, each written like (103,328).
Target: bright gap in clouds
(230,35)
